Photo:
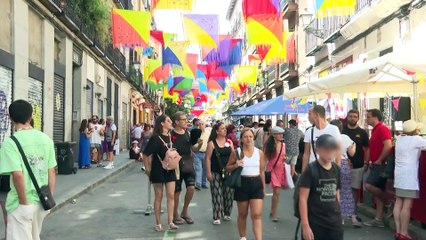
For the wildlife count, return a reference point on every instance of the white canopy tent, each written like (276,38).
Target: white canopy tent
(386,75)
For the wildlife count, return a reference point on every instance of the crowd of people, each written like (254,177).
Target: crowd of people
(97,142)
(338,159)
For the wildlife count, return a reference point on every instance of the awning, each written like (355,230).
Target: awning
(387,74)
(274,106)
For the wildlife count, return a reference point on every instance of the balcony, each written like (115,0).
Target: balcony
(272,76)
(289,9)
(287,71)
(135,77)
(313,36)
(332,26)
(109,54)
(69,16)
(119,61)
(124,4)
(98,47)
(87,34)
(54,6)
(369,13)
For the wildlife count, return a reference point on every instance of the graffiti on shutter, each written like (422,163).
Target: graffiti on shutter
(35,97)
(5,101)
(58,109)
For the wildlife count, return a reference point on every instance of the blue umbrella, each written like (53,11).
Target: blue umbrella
(274,106)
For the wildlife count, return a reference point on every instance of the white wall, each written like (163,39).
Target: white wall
(20,43)
(48,54)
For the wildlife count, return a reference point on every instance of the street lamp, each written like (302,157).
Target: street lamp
(306,19)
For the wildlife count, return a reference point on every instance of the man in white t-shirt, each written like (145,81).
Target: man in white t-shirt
(111,137)
(321,126)
(258,135)
(95,140)
(137,133)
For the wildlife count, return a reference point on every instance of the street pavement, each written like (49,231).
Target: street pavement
(108,212)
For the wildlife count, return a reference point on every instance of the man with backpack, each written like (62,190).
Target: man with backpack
(318,194)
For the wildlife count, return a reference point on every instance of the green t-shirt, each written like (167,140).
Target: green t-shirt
(40,152)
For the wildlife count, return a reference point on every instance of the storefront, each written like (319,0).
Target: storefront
(6,76)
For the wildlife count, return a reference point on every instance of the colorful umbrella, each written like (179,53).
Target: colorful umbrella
(246,74)
(197,113)
(155,70)
(264,30)
(331,8)
(261,7)
(202,29)
(182,83)
(169,57)
(130,28)
(172,4)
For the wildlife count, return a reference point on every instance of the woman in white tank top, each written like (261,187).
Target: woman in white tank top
(252,190)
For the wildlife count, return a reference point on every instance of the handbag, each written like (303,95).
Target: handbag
(43,192)
(268,173)
(234,179)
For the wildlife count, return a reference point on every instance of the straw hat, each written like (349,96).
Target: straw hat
(411,126)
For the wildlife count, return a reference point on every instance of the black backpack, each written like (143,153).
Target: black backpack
(313,166)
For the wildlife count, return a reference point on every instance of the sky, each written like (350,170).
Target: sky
(171,20)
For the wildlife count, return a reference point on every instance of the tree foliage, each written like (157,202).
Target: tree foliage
(171,108)
(96,14)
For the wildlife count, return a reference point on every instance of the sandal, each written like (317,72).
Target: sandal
(187,219)
(178,221)
(172,226)
(159,228)
(216,222)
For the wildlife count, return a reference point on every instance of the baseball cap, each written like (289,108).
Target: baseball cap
(277,130)
(410,126)
(135,141)
(327,141)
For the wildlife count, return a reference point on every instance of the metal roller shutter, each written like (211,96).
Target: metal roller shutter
(35,97)
(89,99)
(5,101)
(58,108)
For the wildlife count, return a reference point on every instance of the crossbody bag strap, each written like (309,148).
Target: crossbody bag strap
(27,165)
(313,143)
(278,157)
(165,144)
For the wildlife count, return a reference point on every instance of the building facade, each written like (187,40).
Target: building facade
(51,59)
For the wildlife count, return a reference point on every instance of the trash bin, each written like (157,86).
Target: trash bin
(65,157)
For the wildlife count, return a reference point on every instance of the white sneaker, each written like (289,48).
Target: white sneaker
(243,238)
(109,166)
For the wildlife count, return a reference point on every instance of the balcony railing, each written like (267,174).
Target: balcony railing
(88,34)
(53,5)
(314,32)
(283,3)
(361,4)
(109,53)
(283,68)
(333,24)
(124,4)
(271,74)
(69,13)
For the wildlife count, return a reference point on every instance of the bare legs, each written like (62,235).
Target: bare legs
(275,200)
(3,207)
(256,213)
(188,197)
(378,195)
(401,214)
(170,192)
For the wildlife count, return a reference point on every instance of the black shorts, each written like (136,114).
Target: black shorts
(321,233)
(189,179)
(110,147)
(251,188)
(375,177)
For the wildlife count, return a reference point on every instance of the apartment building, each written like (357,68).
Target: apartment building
(53,60)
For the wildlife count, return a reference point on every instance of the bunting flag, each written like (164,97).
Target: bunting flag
(182,83)
(154,85)
(130,28)
(179,48)
(331,8)
(158,35)
(277,53)
(157,71)
(264,30)
(202,29)
(201,81)
(261,7)
(172,4)
(246,74)
(254,59)
(197,113)
(170,95)
(169,57)
(262,50)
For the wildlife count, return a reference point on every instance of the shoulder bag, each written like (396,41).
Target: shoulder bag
(268,173)
(44,193)
(234,179)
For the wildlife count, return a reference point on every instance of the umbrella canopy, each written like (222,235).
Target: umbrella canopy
(274,106)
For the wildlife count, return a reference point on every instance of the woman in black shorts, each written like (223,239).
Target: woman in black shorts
(153,154)
(252,189)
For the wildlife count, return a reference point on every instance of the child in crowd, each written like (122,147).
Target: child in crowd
(319,194)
